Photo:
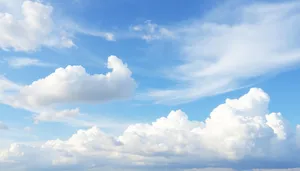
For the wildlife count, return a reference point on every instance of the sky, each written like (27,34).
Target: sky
(132,85)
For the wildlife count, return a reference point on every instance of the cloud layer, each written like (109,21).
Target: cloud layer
(241,133)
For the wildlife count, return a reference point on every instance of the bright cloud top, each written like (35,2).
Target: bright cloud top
(238,131)
(70,85)
(227,48)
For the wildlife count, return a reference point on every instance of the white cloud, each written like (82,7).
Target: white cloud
(107,35)
(56,115)
(290,169)
(298,136)
(12,6)
(238,133)
(276,122)
(27,129)
(228,48)
(3,126)
(69,85)
(211,169)
(151,31)
(19,62)
(27,25)
(35,28)
(6,85)
(229,169)
(74,84)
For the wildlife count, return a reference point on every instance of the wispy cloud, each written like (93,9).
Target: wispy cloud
(3,126)
(147,31)
(109,36)
(20,62)
(221,53)
(151,31)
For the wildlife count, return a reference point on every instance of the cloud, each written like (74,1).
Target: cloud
(151,31)
(19,62)
(56,115)
(147,31)
(6,85)
(27,129)
(298,135)
(229,169)
(228,49)
(240,134)
(211,169)
(290,169)
(107,35)
(34,29)
(28,25)
(3,126)
(68,86)
(74,85)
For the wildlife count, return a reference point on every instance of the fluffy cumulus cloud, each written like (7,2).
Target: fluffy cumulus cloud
(228,48)
(69,85)
(74,84)
(240,133)
(31,28)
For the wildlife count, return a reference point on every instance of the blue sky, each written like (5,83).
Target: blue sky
(159,85)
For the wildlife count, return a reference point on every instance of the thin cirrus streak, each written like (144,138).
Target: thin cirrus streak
(220,56)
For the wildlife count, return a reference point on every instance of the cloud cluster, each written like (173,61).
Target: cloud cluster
(241,133)
(69,85)
(228,48)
